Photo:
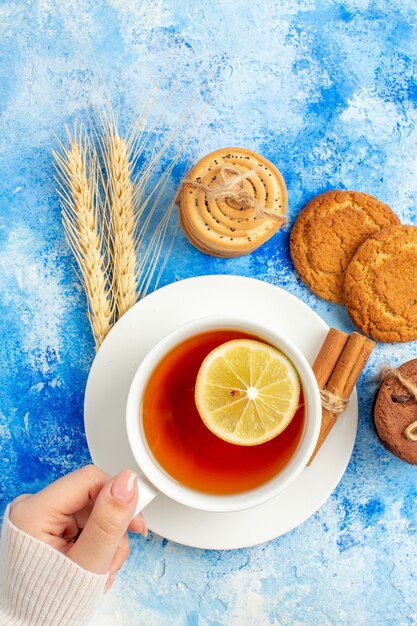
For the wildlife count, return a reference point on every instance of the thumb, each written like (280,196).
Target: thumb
(108,522)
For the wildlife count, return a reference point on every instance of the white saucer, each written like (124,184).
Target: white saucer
(114,367)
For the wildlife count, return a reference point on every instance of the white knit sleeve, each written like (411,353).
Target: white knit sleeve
(40,586)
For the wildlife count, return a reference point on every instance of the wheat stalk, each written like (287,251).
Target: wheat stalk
(80,207)
(130,209)
(119,193)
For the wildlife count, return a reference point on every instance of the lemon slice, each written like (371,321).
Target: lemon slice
(247,392)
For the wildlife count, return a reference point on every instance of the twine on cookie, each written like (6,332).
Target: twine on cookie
(331,402)
(410,432)
(232,189)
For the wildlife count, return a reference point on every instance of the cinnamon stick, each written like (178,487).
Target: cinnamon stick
(351,363)
(344,376)
(328,356)
(367,348)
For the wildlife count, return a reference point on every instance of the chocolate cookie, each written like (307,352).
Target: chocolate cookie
(395,410)
(381,285)
(327,234)
(232,201)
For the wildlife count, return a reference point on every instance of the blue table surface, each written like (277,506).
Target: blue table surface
(325,89)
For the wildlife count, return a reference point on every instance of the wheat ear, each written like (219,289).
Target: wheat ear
(119,192)
(79,200)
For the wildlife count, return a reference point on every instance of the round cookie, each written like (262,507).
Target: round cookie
(327,233)
(224,218)
(395,409)
(381,285)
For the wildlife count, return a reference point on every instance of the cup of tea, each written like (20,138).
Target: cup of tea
(176,452)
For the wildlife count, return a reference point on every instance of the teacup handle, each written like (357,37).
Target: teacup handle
(147,492)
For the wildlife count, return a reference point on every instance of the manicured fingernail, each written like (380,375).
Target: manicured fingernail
(110,581)
(144,530)
(124,486)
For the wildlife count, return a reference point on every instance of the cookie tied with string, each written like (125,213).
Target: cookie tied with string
(395,411)
(231,202)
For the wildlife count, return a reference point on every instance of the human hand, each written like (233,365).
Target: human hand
(85,515)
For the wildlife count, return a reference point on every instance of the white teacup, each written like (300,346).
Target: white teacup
(156,480)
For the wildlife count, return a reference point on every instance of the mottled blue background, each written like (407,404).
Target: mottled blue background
(326,90)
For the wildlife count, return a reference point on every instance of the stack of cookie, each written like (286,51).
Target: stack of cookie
(350,248)
(231,202)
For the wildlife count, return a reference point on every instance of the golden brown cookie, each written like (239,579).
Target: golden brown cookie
(231,202)
(381,285)
(327,234)
(395,413)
